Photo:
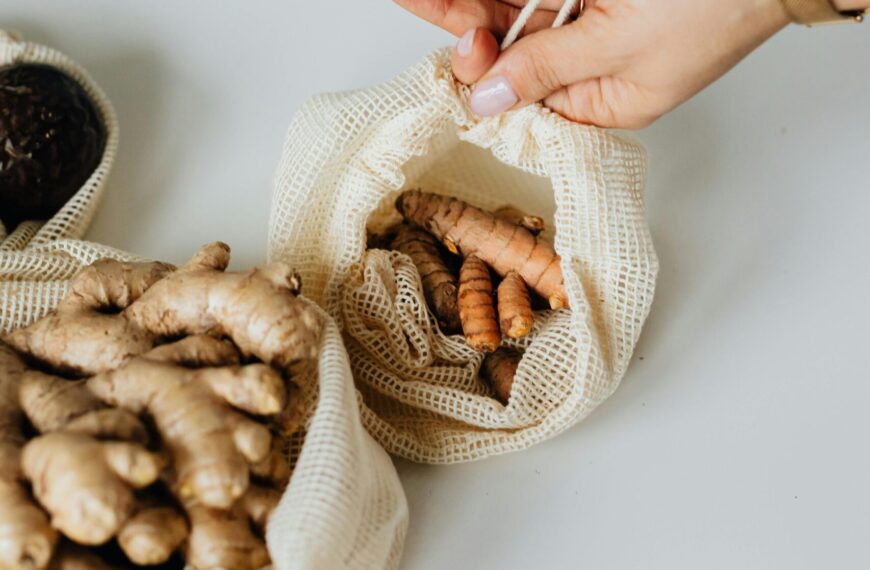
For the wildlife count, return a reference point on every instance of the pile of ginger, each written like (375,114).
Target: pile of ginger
(144,422)
(456,248)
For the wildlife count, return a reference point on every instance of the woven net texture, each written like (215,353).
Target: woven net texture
(346,158)
(37,258)
(345,506)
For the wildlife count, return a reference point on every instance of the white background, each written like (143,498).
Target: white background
(739,438)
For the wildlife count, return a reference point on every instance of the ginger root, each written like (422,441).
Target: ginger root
(87,485)
(225,538)
(258,309)
(274,468)
(439,283)
(192,363)
(514,306)
(116,311)
(476,308)
(499,370)
(85,335)
(53,404)
(26,537)
(193,410)
(153,533)
(503,245)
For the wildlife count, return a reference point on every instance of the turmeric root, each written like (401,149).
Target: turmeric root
(26,537)
(84,335)
(514,306)
(499,369)
(379,240)
(513,215)
(502,245)
(258,309)
(87,485)
(225,538)
(193,411)
(439,283)
(476,308)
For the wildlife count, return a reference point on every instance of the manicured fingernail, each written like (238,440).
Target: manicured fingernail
(466,42)
(493,96)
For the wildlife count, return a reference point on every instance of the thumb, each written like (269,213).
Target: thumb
(535,67)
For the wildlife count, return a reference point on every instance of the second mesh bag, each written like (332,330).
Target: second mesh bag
(346,159)
(344,506)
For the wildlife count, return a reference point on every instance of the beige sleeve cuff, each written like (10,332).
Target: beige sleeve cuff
(812,12)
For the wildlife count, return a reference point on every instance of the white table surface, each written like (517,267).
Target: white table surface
(739,438)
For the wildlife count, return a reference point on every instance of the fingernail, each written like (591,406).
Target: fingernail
(466,42)
(493,96)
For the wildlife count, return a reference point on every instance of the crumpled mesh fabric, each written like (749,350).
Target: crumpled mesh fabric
(346,158)
(344,507)
(38,258)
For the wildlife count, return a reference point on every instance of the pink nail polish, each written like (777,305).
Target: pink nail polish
(466,42)
(493,96)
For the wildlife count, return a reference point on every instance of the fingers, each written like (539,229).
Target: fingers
(459,16)
(537,66)
(566,68)
(475,53)
(606,102)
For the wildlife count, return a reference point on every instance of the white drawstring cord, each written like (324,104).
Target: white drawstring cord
(526,13)
(565,12)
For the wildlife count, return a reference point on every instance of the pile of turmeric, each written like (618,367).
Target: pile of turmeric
(502,261)
(148,416)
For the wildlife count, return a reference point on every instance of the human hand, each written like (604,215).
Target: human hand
(623,63)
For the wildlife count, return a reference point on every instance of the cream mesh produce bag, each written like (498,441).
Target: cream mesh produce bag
(344,507)
(346,158)
(37,258)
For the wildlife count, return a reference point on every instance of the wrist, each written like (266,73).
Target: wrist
(772,15)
